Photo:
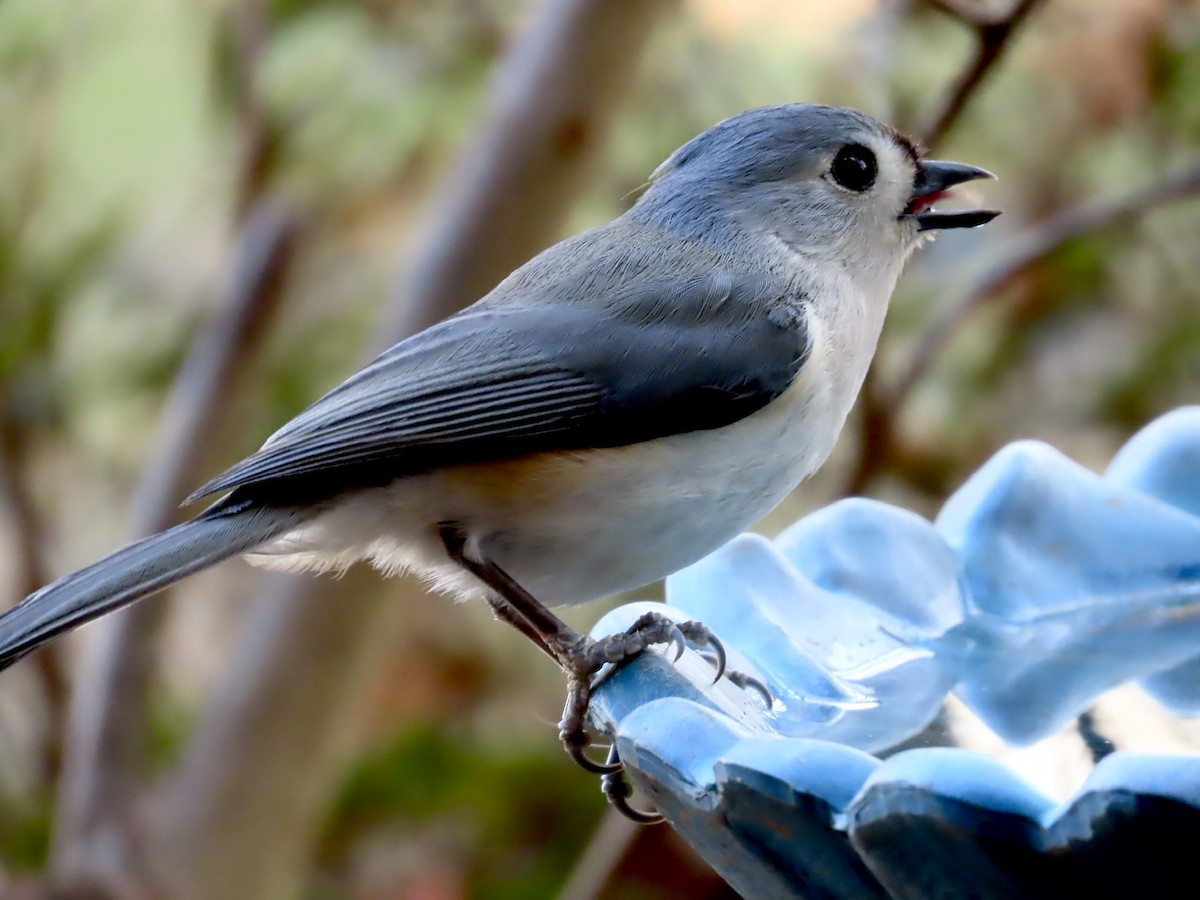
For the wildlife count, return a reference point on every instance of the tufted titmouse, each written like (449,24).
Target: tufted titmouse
(615,409)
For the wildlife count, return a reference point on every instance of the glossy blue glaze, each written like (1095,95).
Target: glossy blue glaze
(1040,586)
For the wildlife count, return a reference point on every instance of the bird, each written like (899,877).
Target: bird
(618,407)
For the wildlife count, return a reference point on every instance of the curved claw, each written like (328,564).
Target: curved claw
(678,641)
(616,788)
(611,767)
(719,651)
(741,679)
(702,634)
(749,682)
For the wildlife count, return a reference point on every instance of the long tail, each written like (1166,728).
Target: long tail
(136,571)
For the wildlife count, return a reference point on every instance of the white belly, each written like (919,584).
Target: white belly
(573,527)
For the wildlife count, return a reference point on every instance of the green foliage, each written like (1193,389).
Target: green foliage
(25,833)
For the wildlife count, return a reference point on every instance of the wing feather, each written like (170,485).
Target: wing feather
(508,377)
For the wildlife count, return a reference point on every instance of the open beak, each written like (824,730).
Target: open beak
(934,180)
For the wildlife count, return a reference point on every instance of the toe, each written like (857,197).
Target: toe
(617,789)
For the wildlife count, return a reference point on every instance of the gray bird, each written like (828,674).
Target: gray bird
(618,407)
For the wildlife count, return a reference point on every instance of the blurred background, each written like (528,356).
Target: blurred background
(212,211)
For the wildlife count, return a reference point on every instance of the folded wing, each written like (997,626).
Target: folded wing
(511,377)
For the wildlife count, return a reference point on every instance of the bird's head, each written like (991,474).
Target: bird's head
(826,181)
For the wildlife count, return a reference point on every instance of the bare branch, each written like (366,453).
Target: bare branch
(1029,249)
(31,573)
(20,508)
(994,34)
(537,153)
(595,866)
(257,142)
(994,28)
(974,13)
(96,840)
(239,816)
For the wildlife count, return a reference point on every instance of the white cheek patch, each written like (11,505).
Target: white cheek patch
(897,172)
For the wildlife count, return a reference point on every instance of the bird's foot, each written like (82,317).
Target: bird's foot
(616,788)
(589,657)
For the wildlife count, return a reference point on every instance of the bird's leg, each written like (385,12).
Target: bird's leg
(579,656)
(517,606)
(556,638)
(505,612)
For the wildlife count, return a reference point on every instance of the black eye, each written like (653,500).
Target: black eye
(854,168)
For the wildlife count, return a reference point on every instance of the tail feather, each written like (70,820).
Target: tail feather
(136,571)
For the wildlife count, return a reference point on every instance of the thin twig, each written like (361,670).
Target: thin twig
(994,29)
(975,13)
(993,36)
(257,141)
(594,868)
(31,573)
(1027,250)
